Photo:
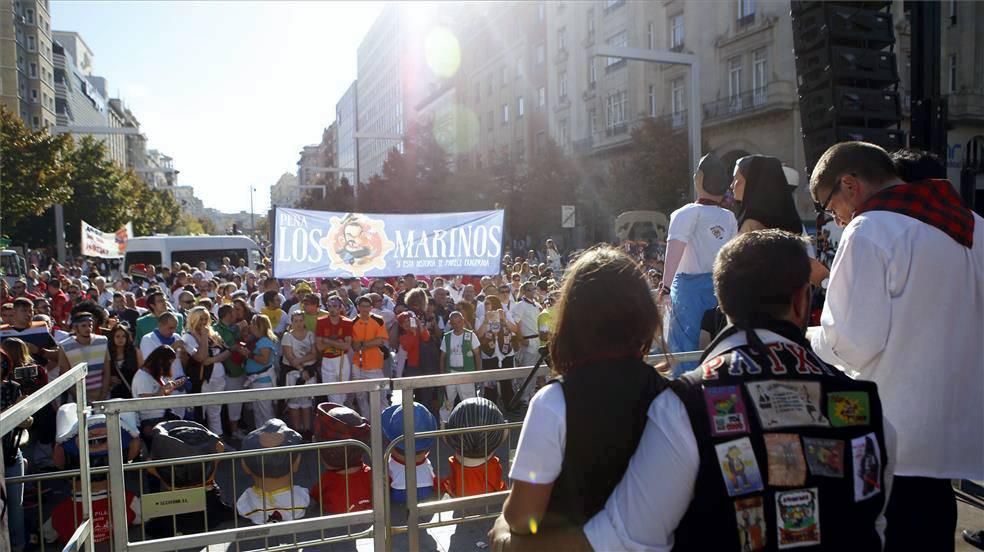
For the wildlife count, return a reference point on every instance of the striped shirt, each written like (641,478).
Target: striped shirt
(92,354)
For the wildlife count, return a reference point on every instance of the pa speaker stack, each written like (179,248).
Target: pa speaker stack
(847,77)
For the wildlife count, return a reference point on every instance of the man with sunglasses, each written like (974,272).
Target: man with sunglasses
(333,334)
(905,309)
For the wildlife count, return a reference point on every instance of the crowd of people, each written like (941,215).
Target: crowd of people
(866,419)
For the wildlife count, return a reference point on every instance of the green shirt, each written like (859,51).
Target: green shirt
(148,323)
(311,320)
(230,336)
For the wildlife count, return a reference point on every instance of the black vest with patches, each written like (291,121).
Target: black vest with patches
(792,451)
(606,406)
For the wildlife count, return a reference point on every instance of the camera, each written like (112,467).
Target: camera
(26,374)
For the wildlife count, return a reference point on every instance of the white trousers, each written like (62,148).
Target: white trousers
(362,398)
(213,412)
(463,390)
(335,370)
(234,383)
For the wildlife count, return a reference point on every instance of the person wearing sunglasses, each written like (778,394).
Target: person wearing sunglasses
(905,309)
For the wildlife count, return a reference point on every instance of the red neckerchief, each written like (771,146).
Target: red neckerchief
(705,201)
(932,201)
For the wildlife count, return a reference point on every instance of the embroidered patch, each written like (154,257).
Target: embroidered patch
(751,523)
(798,518)
(787,468)
(867,467)
(726,410)
(824,456)
(739,467)
(848,408)
(787,403)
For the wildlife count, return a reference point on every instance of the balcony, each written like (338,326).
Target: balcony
(677,120)
(746,20)
(611,67)
(965,107)
(749,102)
(583,146)
(615,130)
(561,56)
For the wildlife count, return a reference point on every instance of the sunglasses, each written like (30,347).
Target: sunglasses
(822,208)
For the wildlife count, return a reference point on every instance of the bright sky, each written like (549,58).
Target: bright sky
(230,90)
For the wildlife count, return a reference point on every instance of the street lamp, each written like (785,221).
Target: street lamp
(252,219)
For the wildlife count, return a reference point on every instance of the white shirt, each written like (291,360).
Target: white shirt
(647,505)
(105,298)
(525,314)
(259,303)
(258,507)
(540,451)
(191,345)
(456,356)
(147,346)
(905,309)
(480,313)
(144,384)
(704,228)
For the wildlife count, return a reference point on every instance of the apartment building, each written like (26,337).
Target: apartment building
(27,85)
(347,123)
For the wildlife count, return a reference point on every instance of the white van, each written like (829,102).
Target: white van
(12,266)
(163,251)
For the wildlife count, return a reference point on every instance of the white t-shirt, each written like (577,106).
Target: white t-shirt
(540,451)
(300,347)
(144,384)
(285,505)
(259,304)
(704,228)
(526,314)
(147,346)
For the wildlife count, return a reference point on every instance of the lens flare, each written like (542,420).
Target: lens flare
(442,52)
(533,526)
(456,129)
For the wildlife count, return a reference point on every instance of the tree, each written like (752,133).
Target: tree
(101,193)
(154,210)
(413,181)
(208,226)
(34,174)
(655,174)
(534,199)
(337,198)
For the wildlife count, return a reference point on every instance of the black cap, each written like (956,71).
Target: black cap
(716,180)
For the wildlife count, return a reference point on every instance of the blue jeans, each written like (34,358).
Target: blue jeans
(692,295)
(15,502)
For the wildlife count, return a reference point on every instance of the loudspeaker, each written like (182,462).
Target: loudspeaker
(847,78)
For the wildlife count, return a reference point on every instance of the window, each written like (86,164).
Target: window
(29,16)
(34,95)
(31,44)
(520,107)
(746,8)
(734,83)
(541,97)
(34,122)
(488,90)
(677,102)
(676,31)
(615,109)
(520,150)
(562,85)
(539,54)
(562,38)
(489,117)
(759,82)
(651,35)
(592,121)
(503,75)
(33,72)
(505,113)
(478,92)
(541,141)
(519,68)
(565,133)
(952,87)
(591,24)
(592,72)
(652,100)
(620,40)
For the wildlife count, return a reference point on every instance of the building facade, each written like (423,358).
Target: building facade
(347,124)
(285,192)
(27,80)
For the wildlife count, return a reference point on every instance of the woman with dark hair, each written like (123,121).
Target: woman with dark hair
(122,361)
(764,195)
(569,459)
(766,201)
(154,380)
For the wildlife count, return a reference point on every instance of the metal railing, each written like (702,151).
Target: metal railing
(381,530)
(23,410)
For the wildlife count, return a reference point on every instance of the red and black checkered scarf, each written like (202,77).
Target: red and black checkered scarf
(932,201)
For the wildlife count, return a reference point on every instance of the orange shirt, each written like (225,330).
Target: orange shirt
(370,358)
(471,481)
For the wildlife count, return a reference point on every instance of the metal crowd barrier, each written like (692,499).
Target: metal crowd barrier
(381,529)
(376,516)
(21,411)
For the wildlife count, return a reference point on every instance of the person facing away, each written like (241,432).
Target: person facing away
(905,309)
(696,233)
(760,445)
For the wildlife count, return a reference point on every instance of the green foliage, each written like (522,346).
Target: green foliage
(100,190)
(33,172)
(655,173)
(208,227)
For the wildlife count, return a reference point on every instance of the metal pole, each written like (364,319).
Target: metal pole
(380,530)
(693,118)
(252,218)
(410,466)
(60,233)
(114,441)
(83,417)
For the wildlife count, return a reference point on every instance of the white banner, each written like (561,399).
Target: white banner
(107,245)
